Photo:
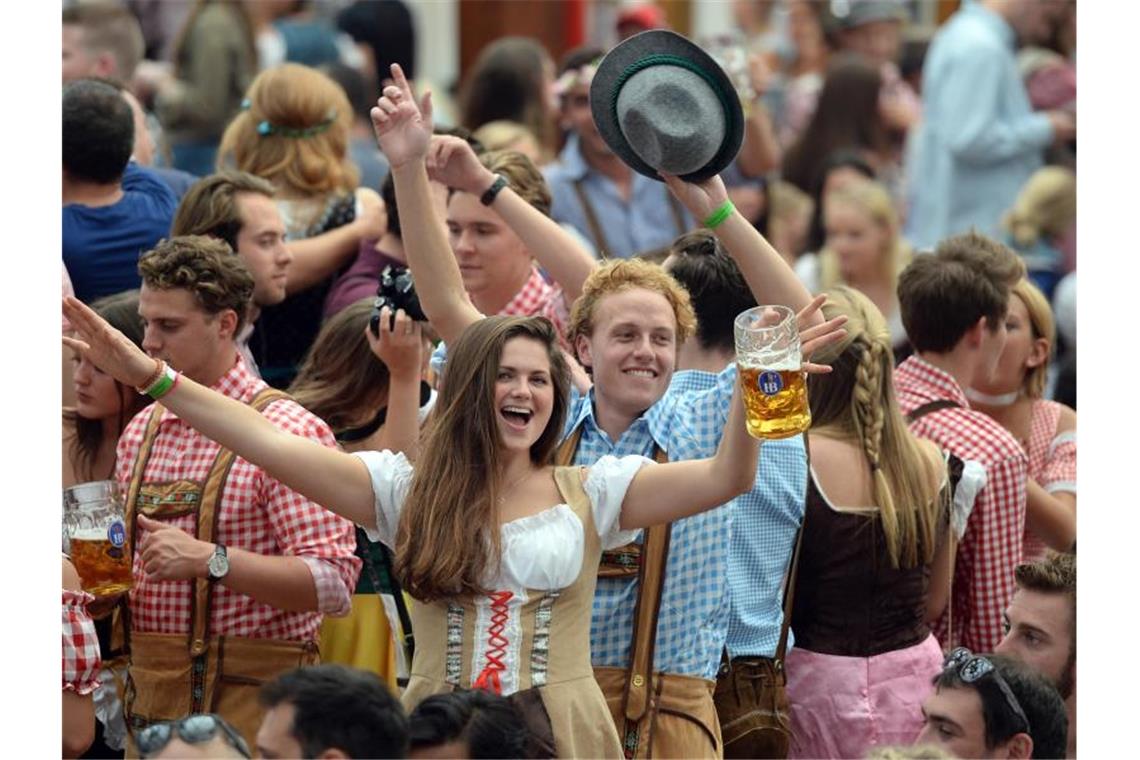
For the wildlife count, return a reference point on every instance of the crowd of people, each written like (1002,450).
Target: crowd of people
(425,413)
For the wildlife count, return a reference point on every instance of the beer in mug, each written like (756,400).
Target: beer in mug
(768,360)
(97,537)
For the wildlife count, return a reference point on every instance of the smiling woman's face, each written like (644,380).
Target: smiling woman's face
(524,393)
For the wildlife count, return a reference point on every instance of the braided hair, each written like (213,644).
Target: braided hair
(856,402)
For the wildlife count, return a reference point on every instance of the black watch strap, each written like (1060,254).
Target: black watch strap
(219,551)
(496,187)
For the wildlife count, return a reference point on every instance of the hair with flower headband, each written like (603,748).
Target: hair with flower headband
(571,78)
(312,112)
(265,128)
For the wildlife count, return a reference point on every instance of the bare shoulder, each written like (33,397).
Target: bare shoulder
(1066,420)
(70,576)
(935,460)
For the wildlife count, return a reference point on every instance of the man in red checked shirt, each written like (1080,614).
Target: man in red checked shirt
(953,304)
(232,570)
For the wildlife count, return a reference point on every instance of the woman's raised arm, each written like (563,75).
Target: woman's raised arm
(337,481)
(404,132)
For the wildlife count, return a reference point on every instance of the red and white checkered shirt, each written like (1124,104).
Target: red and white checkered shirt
(991,547)
(255,513)
(81,662)
(1052,463)
(539,298)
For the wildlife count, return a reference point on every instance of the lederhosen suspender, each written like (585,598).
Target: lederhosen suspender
(649,562)
(956,473)
(206,527)
(929,407)
(596,227)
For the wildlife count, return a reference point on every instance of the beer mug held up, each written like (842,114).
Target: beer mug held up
(97,535)
(768,358)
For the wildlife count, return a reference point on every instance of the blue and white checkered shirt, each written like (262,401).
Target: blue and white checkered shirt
(764,528)
(687,423)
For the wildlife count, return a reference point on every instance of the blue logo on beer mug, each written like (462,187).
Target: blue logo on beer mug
(770,383)
(116,533)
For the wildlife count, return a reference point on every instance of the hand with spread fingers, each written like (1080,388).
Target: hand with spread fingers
(451,161)
(816,337)
(104,346)
(399,344)
(403,127)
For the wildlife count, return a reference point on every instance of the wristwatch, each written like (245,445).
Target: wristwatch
(218,565)
(488,197)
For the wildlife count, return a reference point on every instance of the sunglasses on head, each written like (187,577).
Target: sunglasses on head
(971,668)
(193,729)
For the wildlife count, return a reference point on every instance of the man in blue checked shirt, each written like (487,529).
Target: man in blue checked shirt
(766,519)
(626,329)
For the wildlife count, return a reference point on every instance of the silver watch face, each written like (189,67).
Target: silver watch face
(218,565)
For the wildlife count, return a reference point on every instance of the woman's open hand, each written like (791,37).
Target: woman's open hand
(403,127)
(104,346)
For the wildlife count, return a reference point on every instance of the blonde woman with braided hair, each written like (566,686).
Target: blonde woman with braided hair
(876,556)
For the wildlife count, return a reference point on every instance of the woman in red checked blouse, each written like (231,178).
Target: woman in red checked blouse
(1046,429)
(81,664)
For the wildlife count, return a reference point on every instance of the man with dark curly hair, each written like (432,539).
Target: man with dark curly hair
(225,557)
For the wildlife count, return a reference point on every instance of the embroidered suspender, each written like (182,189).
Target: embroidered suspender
(205,530)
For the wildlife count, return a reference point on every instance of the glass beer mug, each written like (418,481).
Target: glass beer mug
(97,536)
(768,359)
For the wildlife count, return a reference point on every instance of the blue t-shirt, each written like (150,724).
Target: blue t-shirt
(102,244)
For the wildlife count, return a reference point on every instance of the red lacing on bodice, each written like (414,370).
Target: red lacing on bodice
(496,643)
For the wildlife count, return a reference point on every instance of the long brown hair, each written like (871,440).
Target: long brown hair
(448,536)
(846,116)
(340,377)
(121,311)
(857,401)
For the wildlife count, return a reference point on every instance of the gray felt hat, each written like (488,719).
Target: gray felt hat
(661,102)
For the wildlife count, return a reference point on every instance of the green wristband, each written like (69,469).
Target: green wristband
(163,385)
(723,212)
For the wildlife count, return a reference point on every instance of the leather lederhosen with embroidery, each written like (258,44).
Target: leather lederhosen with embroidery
(173,675)
(656,714)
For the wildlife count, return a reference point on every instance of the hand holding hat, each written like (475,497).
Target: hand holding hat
(403,128)
(664,106)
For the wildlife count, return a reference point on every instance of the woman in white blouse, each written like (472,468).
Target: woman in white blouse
(498,546)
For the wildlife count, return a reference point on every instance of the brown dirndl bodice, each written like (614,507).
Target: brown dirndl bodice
(553,656)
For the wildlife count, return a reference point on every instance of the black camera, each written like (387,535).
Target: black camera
(397,290)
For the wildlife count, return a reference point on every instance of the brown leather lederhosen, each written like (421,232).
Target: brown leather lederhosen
(172,675)
(599,235)
(656,714)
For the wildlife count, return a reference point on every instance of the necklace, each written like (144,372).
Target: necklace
(512,487)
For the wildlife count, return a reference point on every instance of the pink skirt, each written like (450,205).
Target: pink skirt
(843,706)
